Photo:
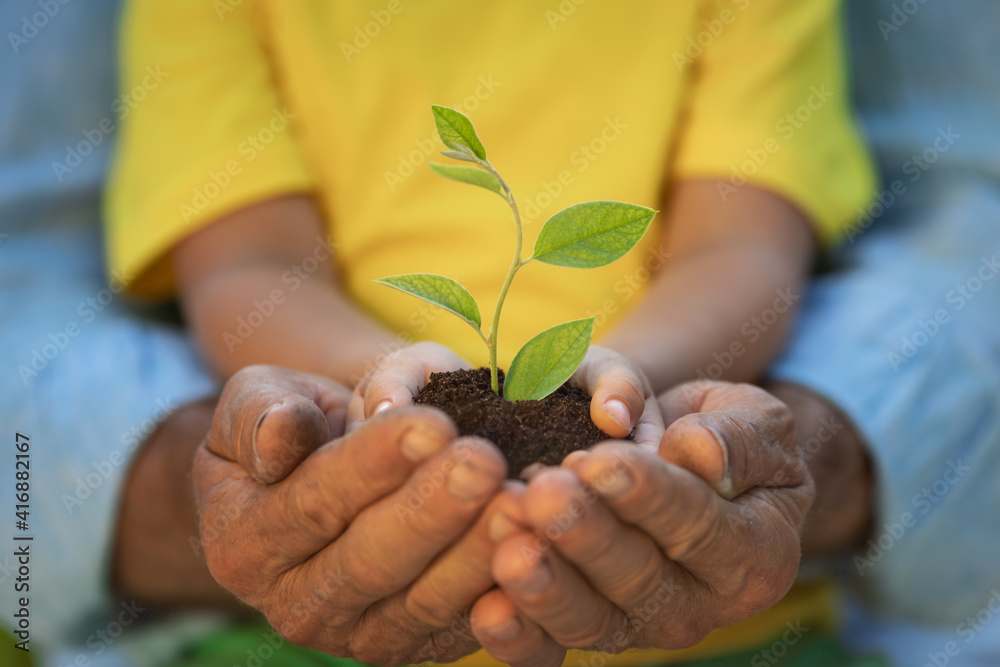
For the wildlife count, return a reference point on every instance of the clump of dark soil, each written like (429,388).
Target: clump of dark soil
(526,432)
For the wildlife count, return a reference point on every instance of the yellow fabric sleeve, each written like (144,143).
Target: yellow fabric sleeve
(211,138)
(770,105)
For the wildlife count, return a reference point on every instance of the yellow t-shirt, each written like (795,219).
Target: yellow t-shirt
(231,102)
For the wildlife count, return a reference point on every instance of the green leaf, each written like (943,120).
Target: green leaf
(459,155)
(471,175)
(457,132)
(592,234)
(548,360)
(440,291)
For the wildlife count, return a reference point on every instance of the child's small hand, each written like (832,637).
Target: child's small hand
(621,397)
(400,377)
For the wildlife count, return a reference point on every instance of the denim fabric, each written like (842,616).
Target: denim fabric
(81,373)
(904,333)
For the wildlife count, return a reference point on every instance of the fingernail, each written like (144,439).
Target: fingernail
(725,485)
(466,482)
(256,430)
(501,527)
(574,459)
(535,581)
(421,442)
(613,483)
(619,412)
(384,404)
(506,632)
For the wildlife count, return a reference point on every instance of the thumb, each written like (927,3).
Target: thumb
(617,388)
(734,436)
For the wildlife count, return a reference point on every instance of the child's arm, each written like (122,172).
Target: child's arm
(264,253)
(734,266)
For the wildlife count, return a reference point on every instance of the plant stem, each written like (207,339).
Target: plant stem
(514,266)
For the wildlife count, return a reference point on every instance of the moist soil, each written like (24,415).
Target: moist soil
(526,432)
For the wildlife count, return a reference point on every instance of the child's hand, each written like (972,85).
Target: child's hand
(394,382)
(622,398)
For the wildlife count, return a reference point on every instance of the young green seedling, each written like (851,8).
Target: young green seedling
(583,236)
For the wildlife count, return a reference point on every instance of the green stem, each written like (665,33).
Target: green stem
(514,266)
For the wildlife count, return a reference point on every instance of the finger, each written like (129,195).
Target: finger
(619,561)
(407,371)
(449,586)
(270,418)
(546,589)
(617,388)
(391,542)
(510,637)
(290,521)
(735,437)
(748,548)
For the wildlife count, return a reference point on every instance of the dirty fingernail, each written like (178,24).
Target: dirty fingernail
(382,405)
(619,412)
(506,632)
(421,442)
(256,430)
(725,485)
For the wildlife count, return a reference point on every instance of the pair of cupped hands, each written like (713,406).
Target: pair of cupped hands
(380,534)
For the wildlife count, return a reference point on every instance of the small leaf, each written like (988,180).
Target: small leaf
(459,155)
(471,175)
(548,360)
(457,132)
(440,291)
(592,234)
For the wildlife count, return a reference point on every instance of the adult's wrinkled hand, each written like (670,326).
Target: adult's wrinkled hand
(370,545)
(627,547)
